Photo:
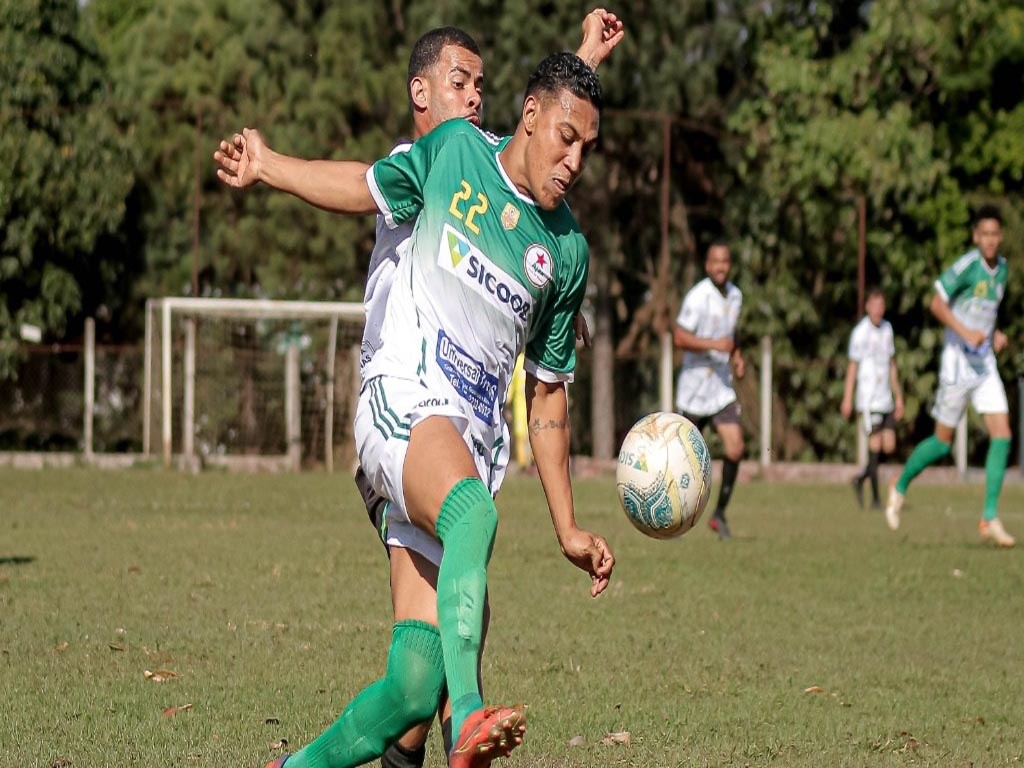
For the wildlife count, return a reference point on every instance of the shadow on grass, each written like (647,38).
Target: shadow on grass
(16,560)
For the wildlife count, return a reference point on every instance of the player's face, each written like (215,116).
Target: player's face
(988,234)
(562,132)
(875,309)
(454,87)
(718,264)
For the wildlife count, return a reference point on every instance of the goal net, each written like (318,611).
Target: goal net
(257,383)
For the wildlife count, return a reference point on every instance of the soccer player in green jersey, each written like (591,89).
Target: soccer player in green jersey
(496,264)
(966,302)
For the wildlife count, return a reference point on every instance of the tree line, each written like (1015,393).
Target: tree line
(769,124)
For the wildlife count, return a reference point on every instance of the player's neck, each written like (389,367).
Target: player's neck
(513,162)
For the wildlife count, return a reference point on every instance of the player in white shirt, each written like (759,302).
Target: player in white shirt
(879,405)
(706,331)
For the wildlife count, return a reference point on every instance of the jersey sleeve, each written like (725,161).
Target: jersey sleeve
(955,279)
(551,353)
(396,182)
(689,312)
(856,352)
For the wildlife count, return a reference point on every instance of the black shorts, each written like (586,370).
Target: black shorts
(728,415)
(375,505)
(875,422)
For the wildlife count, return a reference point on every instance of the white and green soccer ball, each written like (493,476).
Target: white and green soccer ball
(664,475)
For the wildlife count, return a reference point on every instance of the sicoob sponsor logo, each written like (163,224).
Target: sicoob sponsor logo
(458,256)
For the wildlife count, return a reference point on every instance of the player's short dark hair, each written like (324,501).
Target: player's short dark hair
(565,72)
(872,292)
(426,51)
(718,242)
(988,212)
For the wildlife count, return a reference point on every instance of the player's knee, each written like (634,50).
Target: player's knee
(415,672)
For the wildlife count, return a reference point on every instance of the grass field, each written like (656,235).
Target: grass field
(266,597)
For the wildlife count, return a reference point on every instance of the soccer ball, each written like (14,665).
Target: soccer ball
(664,475)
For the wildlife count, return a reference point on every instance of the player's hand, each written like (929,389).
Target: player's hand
(739,365)
(724,344)
(602,31)
(240,158)
(846,408)
(579,325)
(999,341)
(591,553)
(897,411)
(974,339)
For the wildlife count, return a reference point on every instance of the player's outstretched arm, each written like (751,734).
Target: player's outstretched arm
(547,413)
(602,31)
(334,185)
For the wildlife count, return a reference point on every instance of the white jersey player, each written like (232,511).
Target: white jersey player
(706,331)
(872,373)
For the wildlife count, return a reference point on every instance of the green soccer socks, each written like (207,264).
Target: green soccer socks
(995,468)
(383,711)
(927,452)
(466,526)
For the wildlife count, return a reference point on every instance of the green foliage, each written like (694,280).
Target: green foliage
(779,117)
(64,178)
(894,106)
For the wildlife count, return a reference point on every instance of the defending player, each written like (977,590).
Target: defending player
(966,302)
(706,330)
(496,264)
(872,372)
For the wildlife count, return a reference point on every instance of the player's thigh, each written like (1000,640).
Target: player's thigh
(727,425)
(997,425)
(886,441)
(435,461)
(413,586)
(989,400)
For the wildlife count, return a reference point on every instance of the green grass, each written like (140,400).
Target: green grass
(268,597)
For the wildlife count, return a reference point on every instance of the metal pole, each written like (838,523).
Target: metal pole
(147,380)
(165,389)
(90,385)
(862,218)
(188,410)
(766,401)
(332,343)
(666,369)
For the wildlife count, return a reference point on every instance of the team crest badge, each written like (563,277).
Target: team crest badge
(537,265)
(509,216)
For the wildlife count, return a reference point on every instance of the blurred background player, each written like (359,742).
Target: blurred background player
(706,331)
(966,301)
(872,371)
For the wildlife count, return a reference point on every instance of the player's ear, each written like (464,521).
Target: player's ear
(531,108)
(419,92)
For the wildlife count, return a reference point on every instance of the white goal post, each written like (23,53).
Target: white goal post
(247,375)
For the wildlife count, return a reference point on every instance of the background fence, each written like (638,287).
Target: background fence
(241,399)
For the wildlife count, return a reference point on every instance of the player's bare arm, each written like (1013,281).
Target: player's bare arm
(548,418)
(897,390)
(846,407)
(944,314)
(335,185)
(739,365)
(684,339)
(602,31)
(999,341)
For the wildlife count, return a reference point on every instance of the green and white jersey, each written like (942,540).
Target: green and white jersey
(973,290)
(487,274)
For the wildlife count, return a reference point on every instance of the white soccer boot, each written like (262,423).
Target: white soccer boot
(893,505)
(993,531)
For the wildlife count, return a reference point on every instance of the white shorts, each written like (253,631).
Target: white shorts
(388,409)
(967,378)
